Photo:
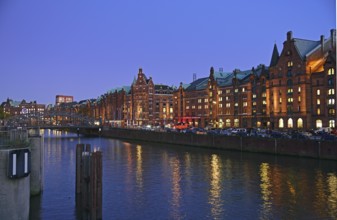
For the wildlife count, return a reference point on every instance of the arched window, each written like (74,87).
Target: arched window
(300,123)
(319,123)
(332,123)
(280,123)
(228,122)
(236,122)
(290,123)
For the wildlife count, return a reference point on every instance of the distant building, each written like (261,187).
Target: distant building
(12,108)
(63,99)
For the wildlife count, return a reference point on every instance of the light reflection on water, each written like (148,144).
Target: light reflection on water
(151,181)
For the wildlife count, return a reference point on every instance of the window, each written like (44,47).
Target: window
(290,90)
(236,90)
(299,99)
(220,99)
(199,100)
(319,123)
(228,105)
(330,82)
(290,100)
(220,105)
(254,103)
(210,94)
(318,111)
(264,95)
(331,101)
(300,123)
(254,96)
(236,122)
(245,104)
(193,106)
(280,100)
(236,104)
(318,92)
(171,110)
(243,90)
(318,101)
(228,122)
(206,100)
(331,92)
(227,98)
(290,123)
(280,123)
(228,91)
(164,110)
(220,92)
(290,63)
(206,106)
(199,106)
(331,71)
(299,89)
(264,102)
(331,111)
(332,123)
(187,107)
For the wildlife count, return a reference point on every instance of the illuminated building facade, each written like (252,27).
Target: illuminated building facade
(297,91)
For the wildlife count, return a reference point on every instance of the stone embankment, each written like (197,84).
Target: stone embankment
(290,147)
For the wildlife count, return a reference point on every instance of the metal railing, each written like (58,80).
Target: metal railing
(13,138)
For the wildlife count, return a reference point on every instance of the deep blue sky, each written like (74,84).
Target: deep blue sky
(84,48)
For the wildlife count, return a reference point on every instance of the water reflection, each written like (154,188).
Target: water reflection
(215,198)
(176,188)
(265,186)
(139,169)
(173,182)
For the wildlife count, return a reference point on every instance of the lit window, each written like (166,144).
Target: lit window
(280,100)
(243,90)
(299,89)
(254,103)
(280,123)
(220,99)
(164,110)
(187,107)
(199,106)
(290,90)
(264,102)
(290,63)
(193,106)
(228,105)
(210,94)
(228,91)
(331,101)
(220,105)
(220,92)
(264,95)
(299,99)
(199,100)
(332,123)
(331,111)
(290,123)
(236,104)
(228,122)
(318,101)
(236,122)
(331,71)
(318,92)
(331,91)
(206,100)
(290,99)
(254,96)
(171,110)
(236,90)
(245,104)
(318,111)
(300,123)
(227,98)
(206,106)
(319,123)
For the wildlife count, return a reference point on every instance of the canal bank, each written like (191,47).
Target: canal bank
(288,147)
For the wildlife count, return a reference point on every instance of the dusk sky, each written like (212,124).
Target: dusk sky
(85,48)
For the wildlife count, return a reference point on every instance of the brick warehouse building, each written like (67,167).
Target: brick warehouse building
(297,90)
(142,103)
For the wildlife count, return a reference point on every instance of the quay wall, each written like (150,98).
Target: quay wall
(290,147)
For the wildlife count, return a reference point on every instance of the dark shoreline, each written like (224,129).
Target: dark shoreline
(279,146)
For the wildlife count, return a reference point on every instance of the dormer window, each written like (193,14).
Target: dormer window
(331,71)
(290,63)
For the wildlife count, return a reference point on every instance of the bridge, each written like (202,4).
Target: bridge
(52,120)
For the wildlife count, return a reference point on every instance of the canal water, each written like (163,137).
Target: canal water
(155,181)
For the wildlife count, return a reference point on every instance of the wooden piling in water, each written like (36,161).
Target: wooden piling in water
(88,182)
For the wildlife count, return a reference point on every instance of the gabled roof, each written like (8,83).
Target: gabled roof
(305,46)
(198,84)
(125,88)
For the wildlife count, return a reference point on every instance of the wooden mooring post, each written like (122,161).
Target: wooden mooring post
(88,182)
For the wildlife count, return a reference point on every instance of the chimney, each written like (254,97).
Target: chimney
(322,43)
(289,35)
(333,38)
